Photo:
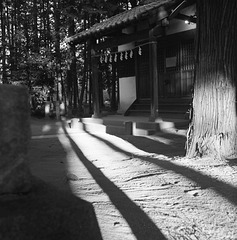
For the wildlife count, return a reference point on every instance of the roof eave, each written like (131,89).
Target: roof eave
(90,33)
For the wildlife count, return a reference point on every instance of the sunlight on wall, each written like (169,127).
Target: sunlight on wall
(127,93)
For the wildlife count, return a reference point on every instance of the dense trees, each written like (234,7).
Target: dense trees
(213,127)
(33,51)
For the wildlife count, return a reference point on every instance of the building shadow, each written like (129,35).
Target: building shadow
(225,190)
(141,225)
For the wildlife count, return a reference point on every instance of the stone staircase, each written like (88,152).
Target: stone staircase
(178,106)
(123,126)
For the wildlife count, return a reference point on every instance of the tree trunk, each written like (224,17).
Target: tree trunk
(4,44)
(57,47)
(27,50)
(72,69)
(35,27)
(85,70)
(212,131)
(84,80)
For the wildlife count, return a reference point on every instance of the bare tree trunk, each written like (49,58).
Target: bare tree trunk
(35,26)
(57,46)
(212,131)
(72,82)
(85,70)
(9,59)
(84,80)
(3,30)
(27,49)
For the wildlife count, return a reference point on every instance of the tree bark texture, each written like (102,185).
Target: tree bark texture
(212,131)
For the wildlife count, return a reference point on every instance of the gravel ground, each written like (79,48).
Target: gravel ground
(140,187)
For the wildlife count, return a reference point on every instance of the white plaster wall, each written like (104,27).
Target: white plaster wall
(127,85)
(127,93)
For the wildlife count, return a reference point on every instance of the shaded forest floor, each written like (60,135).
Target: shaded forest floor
(140,187)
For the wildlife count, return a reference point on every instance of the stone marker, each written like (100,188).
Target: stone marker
(15,176)
(43,213)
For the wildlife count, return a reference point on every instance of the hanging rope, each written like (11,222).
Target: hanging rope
(108,56)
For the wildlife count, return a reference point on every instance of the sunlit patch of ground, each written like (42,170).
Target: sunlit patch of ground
(144,187)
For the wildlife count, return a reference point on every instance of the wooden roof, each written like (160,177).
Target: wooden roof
(121,20)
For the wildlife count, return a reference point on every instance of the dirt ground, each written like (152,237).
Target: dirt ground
(140,187)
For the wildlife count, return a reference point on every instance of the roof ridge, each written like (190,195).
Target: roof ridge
(119,20)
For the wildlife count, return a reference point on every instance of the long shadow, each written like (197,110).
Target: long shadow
(46,153)
(47,211)
(175,148)
(225,190)
(141,225)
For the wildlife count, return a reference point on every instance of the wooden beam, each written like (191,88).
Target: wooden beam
(185,17)
(122,39)
(182,5)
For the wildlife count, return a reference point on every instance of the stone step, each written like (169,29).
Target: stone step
(91,120)
(113,122)
(94,127)
(142,107)
(146,125)
(116,130)
(121,127)
(138,112)
(143,132)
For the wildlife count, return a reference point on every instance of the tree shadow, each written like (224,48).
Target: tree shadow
(51,193)
(47,161)
(168,144)
(225,190)
(46,153)
(141,225)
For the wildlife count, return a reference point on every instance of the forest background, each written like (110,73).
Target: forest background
(34,52)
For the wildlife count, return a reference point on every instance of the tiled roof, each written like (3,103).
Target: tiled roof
(120,20)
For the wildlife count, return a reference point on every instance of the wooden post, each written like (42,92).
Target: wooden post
(113,90)
(153,75)
(95,83)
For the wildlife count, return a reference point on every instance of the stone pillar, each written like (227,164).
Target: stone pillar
(15,176)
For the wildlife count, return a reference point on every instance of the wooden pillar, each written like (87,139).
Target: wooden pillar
(113,90)
(95,83)
(153,75)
